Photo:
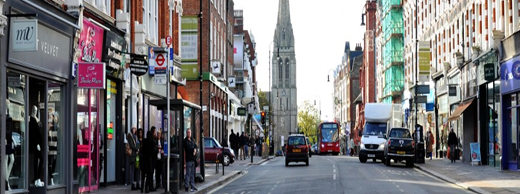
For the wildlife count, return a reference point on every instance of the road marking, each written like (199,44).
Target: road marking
(334,177)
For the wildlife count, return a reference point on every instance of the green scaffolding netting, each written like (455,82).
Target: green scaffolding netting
(392,48)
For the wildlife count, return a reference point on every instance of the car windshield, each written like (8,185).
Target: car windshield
(296,141)
(210,143)
(329,135)
(400,133)
(374,129)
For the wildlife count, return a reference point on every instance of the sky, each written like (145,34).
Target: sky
(321,29)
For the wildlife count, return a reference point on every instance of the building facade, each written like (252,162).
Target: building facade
(283,88)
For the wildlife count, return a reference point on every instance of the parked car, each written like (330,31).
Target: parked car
(309,146)
(296,149)
(399,146)
(212,148)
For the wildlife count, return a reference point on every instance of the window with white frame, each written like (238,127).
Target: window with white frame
(150,19)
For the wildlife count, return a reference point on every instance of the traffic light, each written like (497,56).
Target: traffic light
(263,117)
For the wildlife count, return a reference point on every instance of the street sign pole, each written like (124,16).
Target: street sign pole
(168,116)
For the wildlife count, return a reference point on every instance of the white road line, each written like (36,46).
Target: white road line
(334,177)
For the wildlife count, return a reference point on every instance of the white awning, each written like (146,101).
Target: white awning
(258,124)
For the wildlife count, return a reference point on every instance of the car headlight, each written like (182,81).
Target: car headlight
(382,145)
(322,145)
(362,145)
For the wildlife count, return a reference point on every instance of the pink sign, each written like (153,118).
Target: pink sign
(91,42)
(91,75)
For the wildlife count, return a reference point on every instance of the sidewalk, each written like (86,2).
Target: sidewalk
(212,179)
(480,179)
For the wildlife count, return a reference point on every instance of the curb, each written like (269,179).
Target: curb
(220,181)
(450,180)
(261,161)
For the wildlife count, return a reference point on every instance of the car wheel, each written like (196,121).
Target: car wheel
(226,160)
(387,161)
(307,162)
(362,159)
(409,163)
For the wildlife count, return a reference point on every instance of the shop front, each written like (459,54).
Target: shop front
(466,112)
(489,108)
(510,91)
(100,126)
(442,111)
(37,89)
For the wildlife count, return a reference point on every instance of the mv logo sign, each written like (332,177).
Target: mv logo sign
(401,142)
(24,35)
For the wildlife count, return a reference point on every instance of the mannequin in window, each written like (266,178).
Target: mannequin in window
(35,143)
(9,148)
(53,144)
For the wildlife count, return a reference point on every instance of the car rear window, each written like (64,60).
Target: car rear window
(400,133)
(296,141)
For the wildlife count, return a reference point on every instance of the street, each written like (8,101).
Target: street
(334,174)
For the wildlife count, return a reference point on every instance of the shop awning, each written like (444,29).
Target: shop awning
(258,124)
(462,107)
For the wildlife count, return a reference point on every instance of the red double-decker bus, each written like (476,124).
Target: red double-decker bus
(328,138)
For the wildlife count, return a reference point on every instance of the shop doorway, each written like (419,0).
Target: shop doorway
(88,139)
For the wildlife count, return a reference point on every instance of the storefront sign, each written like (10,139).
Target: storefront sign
(91,75)
(138,64)
(52,54)
(24,35)
(113,54)
(469,80)
(510,75)
(91,42)
(489,72)
(475,151)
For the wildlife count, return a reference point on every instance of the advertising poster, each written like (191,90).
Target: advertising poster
(475,151)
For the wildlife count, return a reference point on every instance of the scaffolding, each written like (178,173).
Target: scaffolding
(391,14)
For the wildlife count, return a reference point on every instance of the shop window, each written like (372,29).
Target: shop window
(56,134)
(16,132)
(87,139)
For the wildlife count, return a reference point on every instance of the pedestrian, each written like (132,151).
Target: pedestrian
(224,141)
(160,161)
(452,142)
(149,160)
(232,142)
(132,143)
(138,175)
(429,144)
(246,145)
(145,162)
(190,151)
(242,142)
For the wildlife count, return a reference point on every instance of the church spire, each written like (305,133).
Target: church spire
(284,32)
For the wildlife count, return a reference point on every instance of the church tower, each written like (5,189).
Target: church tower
(284,93)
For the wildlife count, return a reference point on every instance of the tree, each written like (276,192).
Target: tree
(308,120)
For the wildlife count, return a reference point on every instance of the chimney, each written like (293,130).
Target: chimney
(358,47)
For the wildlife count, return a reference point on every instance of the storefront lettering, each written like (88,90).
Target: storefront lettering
(115,55)
(93,80)
(115,45)
(48,48)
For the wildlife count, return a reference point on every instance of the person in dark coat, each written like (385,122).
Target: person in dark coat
(190,151)
(159,180)
(149,159)
(131,138)
(452,142)
(232,141)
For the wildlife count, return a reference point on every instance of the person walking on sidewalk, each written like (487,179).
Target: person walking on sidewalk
(232,142)
(159,173)
(190,151)
(429,144)
(242,143)
(132,143)
(452,142)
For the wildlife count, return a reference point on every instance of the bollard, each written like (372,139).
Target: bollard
(216,163)
(174,173)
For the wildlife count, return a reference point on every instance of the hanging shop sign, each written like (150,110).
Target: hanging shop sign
(138,64)
(91,42)
(113,54)
(24,35)
(91,75)
(189,47)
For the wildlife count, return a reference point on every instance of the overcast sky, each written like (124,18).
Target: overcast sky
(321,29)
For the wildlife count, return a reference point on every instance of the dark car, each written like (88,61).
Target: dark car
(212,148)
(399,146)
(297,149)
